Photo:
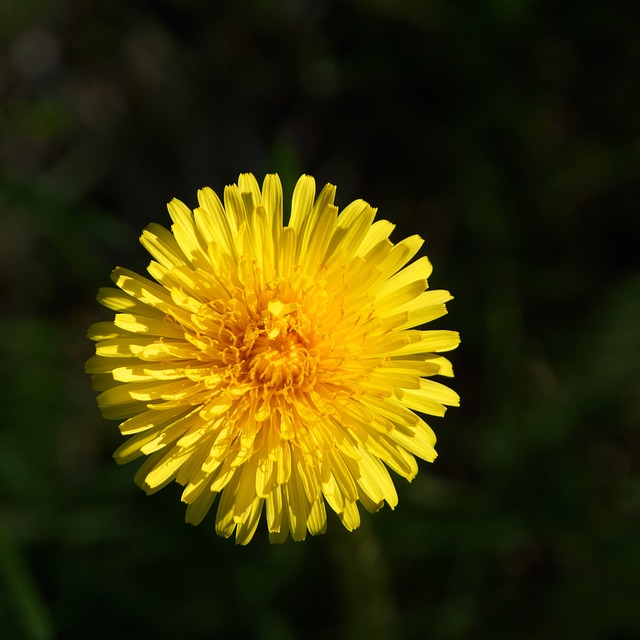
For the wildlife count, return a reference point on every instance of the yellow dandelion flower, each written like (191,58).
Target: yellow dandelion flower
(274,365)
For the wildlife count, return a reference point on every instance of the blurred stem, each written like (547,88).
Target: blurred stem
(22,590)
(370,611)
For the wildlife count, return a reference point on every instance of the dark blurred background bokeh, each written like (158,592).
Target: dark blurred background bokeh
(505,132)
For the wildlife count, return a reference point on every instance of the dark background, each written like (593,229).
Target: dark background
(505,132)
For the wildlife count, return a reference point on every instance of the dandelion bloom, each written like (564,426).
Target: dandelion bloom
(274,365)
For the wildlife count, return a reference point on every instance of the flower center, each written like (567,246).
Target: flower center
(278,352)
(277,359)
(263,341)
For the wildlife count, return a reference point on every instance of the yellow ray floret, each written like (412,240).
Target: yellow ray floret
(278,366)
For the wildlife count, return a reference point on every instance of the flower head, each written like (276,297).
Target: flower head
(274,365)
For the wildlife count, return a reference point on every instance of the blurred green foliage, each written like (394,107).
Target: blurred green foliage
(507,134)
